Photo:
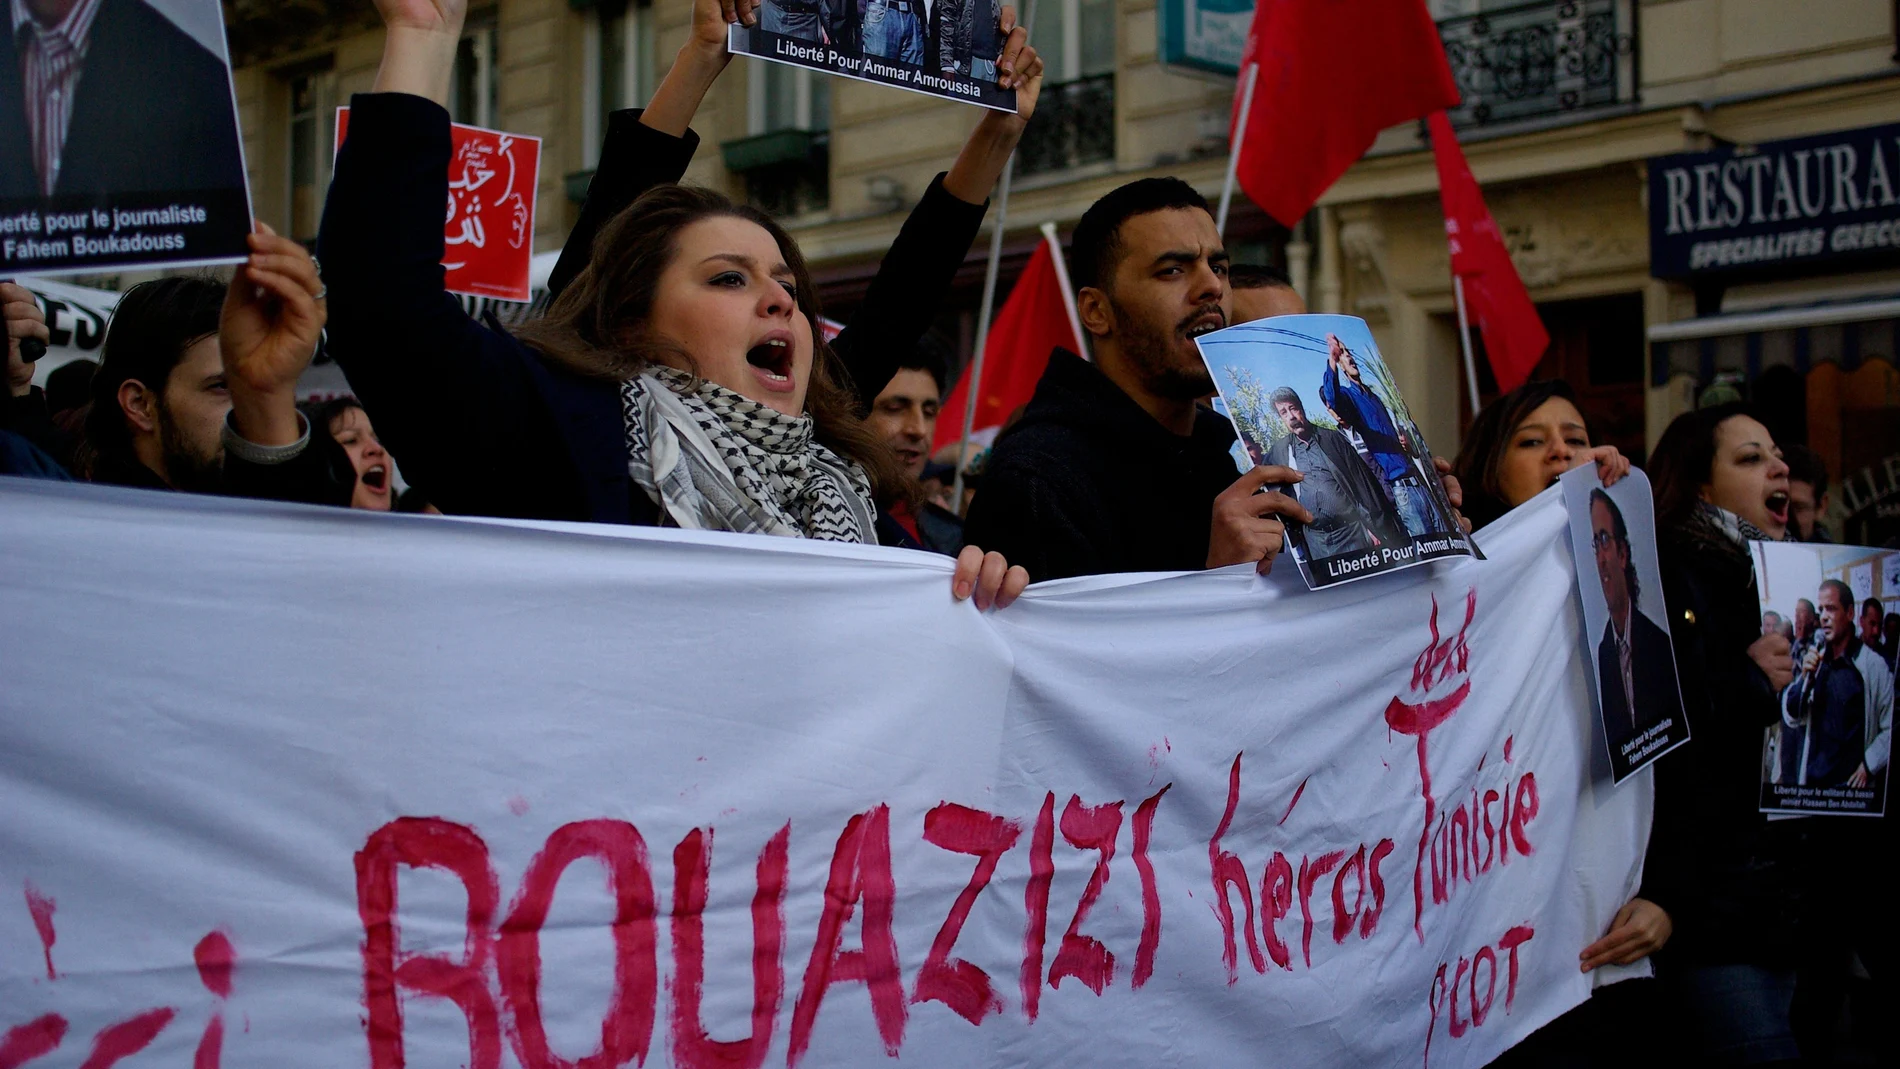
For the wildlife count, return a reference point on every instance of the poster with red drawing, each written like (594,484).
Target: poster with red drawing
(488,222)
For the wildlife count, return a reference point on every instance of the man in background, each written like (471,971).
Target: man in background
(1807,494)
(1262,291)
(905,416)
(1350,512)
(1842,695)
(1114,466)
(1871,613)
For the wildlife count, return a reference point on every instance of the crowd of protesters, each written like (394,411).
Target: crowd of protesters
(679,378)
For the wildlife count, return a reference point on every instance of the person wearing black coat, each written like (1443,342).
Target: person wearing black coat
(152,113)
(488,425)
(484,424)
(1741,889)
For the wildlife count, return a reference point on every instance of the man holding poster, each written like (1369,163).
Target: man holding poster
(118,139)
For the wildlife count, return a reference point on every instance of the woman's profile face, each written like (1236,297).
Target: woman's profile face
(1545,444)
(352,431)
(1748,477)
(727,299)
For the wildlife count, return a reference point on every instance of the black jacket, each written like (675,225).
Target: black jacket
(1653,678)
(1088,483)
(482,425)
(1733,881)
(153,113)
(320,475)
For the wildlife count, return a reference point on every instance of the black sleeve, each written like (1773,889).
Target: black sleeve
(459,405)
(27,417)
(320,475)
(634,158)
(1030,522)
(910,286)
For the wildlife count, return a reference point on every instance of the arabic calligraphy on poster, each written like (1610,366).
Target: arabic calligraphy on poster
(488,223)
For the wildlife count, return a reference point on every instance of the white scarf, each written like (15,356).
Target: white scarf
(713,460)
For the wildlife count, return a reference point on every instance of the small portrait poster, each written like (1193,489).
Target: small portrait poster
(945,48)
(1828,752)
(488,233)
(1310,392)
(1625,623)
(119,143)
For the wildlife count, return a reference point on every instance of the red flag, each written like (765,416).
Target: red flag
(1034,321)
(1495,297)
(1332,74)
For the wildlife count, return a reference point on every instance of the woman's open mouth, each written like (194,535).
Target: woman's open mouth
(376,479)
(1777,506)
(771,361)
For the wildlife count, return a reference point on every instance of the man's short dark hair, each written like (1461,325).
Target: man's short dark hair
(1872,603)
(151,328)
(1095,248)
(1257,277)
(1621,532)
(1806,466)
(1284,395)
(932,357)
(1842,593)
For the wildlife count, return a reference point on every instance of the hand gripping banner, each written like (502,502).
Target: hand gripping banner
(295,787)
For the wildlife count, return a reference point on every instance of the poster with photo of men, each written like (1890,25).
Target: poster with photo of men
(1839,609)
(945,48)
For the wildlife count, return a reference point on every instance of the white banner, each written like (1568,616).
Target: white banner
(299,787)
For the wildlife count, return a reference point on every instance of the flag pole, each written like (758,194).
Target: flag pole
(975,377)
(1251,78)
(1068,291)
(1464,340)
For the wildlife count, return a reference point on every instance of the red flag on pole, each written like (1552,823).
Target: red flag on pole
(1035,320)
(1514,336)
(1332,74)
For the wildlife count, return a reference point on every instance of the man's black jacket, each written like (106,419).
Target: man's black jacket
(1088,483)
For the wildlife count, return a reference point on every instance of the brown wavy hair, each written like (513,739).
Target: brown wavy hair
(598,326)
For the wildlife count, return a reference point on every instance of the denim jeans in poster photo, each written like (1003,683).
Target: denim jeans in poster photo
(1414,505)
(894,29)
(793,18)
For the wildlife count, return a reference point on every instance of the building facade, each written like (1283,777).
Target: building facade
(1566,103)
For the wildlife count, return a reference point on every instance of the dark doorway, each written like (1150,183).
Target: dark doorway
(1596,345)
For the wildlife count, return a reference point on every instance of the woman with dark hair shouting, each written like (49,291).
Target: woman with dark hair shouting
(1734,882)
(680,379)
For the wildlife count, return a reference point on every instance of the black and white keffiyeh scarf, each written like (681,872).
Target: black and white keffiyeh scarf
(713,460)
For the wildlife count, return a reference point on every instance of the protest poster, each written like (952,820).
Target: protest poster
(943,48)
(1625,623)
(1828,754)
(487,793)
(148,170)
(1310,392)
(488,232)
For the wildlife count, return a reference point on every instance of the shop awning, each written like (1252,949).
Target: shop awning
(1745,344)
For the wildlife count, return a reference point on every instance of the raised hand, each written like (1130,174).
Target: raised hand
(1771,654)
(433,16)
(1019,66)
(273,317)
(419,50)
(24,320)
(711,17)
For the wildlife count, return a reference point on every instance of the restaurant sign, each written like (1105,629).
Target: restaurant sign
(1777,208)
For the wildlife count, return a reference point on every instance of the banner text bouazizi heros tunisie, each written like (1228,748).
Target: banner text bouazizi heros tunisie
(296,787)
